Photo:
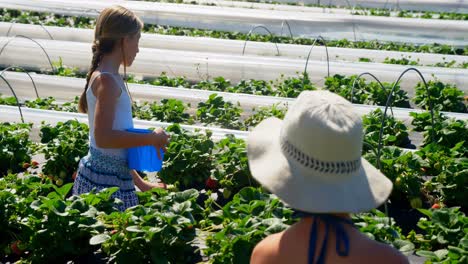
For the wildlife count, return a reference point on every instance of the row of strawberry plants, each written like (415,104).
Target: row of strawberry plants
(444,96)
(356,10)
(90,228)
(168,227)
(215,111)
(408,61)
(48,19)
(194,160)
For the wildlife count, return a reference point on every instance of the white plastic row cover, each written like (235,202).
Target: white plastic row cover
(452,6)
(331,26)
(36,116)
(65,89)
(198,66)
(347,6)
(235,47)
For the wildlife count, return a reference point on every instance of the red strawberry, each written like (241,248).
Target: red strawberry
(14,247)
(113,232)
(26,165)
(34,163)
(74,175)
(436,206)
(211,183)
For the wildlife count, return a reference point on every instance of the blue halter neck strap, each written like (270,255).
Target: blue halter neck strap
(331,221)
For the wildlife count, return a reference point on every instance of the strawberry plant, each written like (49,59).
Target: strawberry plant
(8,100)
(445,239)
(71,222)
(169,110)
(291,87)
(14,146)
(378,226)
(64,145)
(366,93)
(422,121)
(16,194)
(444,97)
(71,106)
(216,111)
(450,167)
(159,232)
(231,166)
(43,103)
(165,80)
(188,160)
(257,87)
(377,96)
(218,84)
(264,113)
(403,168)
(448,133)
(36,210)
(246,220)
(402,61)
(395,132)
(66,71)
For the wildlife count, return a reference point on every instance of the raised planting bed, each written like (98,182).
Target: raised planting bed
(87,22)
(204,44)
(239,19)
(198,66)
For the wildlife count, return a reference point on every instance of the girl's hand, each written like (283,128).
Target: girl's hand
(160,140)
(145,185)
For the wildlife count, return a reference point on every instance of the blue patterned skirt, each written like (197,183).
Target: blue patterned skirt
(97,171)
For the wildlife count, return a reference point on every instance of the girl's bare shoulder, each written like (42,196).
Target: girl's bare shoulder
(371,251)
(104,83)
(267,250)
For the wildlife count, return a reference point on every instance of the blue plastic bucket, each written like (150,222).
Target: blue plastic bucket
(144,158)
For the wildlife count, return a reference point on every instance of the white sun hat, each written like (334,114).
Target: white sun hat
(312,160)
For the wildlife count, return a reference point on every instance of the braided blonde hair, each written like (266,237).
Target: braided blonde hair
(113,24)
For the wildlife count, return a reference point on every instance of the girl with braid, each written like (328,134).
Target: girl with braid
(107,101)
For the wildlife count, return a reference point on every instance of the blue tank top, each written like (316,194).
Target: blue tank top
(331,221)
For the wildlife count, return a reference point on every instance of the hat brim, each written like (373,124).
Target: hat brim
(366,189)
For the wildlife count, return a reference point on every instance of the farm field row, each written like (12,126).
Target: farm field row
(197,66)
(330,26)
(238,47)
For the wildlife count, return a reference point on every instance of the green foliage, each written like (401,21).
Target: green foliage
(231,166)
(160,230)
(379,227)
(366,93)
(263,113)
(169,110)
(403,168)
(165,80)
(65,144)
(402,61)
(444,97)
(216,111)
(445,238)
(242,223)
(188,160)
(394,133)
(291,87)
(14,146)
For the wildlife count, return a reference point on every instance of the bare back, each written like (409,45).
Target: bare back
(292,246)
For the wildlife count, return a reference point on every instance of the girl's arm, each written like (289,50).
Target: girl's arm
(107,94)
(144,185)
